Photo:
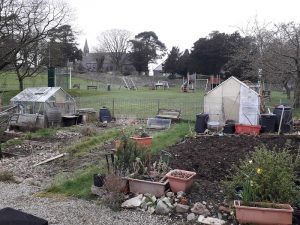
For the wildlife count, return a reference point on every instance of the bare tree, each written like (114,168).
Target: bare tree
(274,54)
(26,22)
(115,42)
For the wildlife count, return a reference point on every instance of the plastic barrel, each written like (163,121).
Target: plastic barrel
(201,122)
(286,118)
(268,121)
(229,128)
(104,115)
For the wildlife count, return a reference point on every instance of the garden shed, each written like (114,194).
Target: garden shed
(37,106)
(232,100)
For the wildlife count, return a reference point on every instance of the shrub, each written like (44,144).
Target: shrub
(128,154)
(115,186)
(265,176)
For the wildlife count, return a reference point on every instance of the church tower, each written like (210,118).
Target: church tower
(86,48)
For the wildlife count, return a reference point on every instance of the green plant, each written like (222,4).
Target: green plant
(131,158)
(265,176)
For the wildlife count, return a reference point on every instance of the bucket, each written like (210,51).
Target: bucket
(69,120)
(286,124)
(104,115)
(99,180)
(201,122)
(267,121)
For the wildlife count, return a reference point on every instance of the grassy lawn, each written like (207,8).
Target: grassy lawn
(77,185)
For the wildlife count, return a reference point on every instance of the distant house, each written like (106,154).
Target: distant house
(102,62)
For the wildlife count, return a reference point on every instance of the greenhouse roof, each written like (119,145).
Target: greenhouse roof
(35,94)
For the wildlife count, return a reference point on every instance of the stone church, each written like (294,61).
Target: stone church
(102,62)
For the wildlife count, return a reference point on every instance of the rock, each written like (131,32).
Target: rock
(200,209)
(151,209)
(162,208)
(132,202)
(220,215)
(204,202)
(210,220)
(224,209)
(97,190)
(18,179)
(29,180)
(180,194)
(191,217)
(144,206)
(180,208)
(167,201)
(170,194)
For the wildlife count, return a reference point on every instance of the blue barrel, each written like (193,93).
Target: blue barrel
(267,122)
(286,124)
(104,114)
(201,122)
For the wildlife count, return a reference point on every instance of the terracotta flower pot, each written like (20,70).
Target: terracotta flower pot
(145,186)
(180,180)
(264,213)
(143,141)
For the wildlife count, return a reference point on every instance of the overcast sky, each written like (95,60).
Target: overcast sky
(176,22)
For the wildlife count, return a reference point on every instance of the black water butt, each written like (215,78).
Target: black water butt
(201,122)
(104,115)
(267,122)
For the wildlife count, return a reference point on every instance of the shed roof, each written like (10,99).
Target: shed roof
(235,79)
(36,94)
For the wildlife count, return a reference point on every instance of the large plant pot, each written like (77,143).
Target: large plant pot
(145,186)
(143,141)
(180,183)
(264,213)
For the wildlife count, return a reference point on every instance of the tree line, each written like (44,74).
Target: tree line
(266,52)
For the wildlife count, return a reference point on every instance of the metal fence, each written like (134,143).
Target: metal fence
(141,108)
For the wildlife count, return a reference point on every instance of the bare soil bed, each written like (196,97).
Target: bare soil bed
(212,158)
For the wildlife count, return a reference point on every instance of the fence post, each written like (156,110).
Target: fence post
(113,107)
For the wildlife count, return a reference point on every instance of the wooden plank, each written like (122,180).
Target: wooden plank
(51,159)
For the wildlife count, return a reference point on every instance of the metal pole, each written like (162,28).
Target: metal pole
(70,74)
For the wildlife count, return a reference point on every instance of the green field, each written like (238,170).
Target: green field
(142,103)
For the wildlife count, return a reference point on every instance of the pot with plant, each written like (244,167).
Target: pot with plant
(265,186)
(151,179)
(142,138)
(134,162)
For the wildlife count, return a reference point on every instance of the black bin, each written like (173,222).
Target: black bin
(286,123)
(229,128)
(201,122)
(267,122)
(104,115)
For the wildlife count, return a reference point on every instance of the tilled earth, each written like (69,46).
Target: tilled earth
(212,158)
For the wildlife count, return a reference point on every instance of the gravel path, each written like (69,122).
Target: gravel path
(70,211)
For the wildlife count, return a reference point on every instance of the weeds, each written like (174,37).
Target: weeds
(7,176)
